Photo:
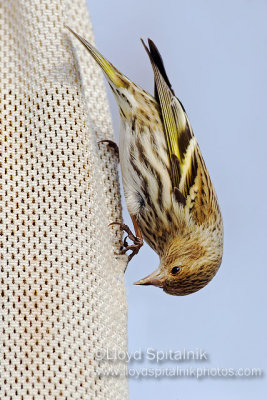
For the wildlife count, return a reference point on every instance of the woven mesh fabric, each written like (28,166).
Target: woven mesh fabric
(62,287)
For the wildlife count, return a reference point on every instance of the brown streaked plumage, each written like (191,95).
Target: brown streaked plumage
(168,190)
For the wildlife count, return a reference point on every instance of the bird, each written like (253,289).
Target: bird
(168,190)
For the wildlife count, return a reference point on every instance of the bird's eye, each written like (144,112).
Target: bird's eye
(175,270)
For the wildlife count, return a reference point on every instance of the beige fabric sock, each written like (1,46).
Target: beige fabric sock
(62,287)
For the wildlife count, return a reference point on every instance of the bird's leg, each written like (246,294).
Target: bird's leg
(112,144)
(137,239)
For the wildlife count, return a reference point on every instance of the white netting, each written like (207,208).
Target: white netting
(62,288)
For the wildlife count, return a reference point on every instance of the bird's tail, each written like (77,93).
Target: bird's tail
(113,75)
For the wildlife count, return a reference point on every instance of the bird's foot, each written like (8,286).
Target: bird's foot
(113,145)
(137,241)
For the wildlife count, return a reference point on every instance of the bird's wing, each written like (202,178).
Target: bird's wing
(180,139)
(191,182)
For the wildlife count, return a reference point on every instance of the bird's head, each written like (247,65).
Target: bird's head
(187,265)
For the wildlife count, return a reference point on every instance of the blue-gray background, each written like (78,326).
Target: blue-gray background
(215,56)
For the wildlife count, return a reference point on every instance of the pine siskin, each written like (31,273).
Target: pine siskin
(168,190)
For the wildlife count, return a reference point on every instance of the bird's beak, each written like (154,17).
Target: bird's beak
(155,279)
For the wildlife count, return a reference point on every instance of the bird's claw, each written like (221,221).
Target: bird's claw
(137,241)
(125,243)
(112,144)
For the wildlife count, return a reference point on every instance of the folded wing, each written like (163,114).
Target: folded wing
(178,132)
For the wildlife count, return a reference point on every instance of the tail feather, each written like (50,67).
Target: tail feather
(111,72)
